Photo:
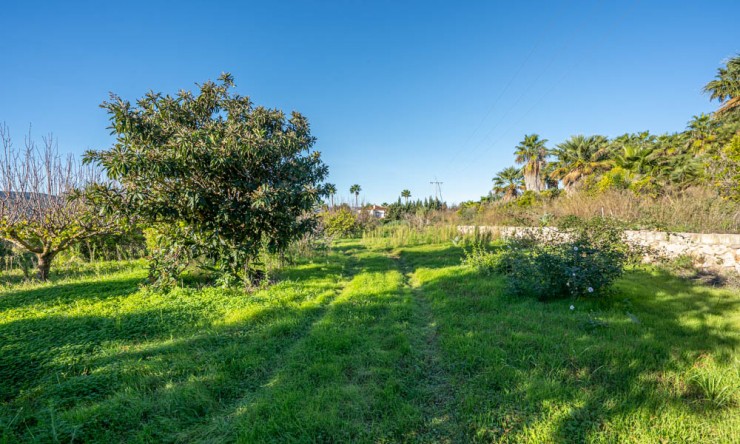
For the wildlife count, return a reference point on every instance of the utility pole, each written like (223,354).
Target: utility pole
(437,189)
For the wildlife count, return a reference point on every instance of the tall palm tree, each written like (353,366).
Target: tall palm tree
(331,189)
(406,194)
(355,189)
(578,157)
(532,153)
(508,182)
(726,86)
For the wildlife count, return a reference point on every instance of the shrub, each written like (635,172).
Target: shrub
(342,223)
(615,179)
(485,260)
(527,199)
(579,259)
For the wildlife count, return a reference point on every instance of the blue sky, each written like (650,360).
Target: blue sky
(397,92)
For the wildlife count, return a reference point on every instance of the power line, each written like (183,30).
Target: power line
(437,189)
(552,87)
(510,83)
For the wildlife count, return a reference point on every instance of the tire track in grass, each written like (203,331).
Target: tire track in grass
(437,394)
(349,378)
(218,427)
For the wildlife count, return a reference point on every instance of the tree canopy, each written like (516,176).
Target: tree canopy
(219,177)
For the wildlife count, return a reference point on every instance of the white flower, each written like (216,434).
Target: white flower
(572,307)
(590,289)
(575,248)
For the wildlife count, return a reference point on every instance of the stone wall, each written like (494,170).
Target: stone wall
(707,249)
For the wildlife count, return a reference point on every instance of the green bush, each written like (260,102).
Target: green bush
(342,222)
(579,259)
(485,260)
(527,199)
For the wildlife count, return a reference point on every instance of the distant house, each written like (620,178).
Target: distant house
(377,211)
(372,211)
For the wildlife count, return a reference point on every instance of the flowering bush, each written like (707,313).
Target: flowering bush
(578,259)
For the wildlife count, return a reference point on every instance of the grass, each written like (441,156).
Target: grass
(699,210)
(372,343)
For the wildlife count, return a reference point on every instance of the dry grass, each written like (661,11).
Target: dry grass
(694,210)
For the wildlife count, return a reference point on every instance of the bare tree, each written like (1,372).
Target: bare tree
(42,208)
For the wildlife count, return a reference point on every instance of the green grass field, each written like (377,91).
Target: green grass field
(367,345)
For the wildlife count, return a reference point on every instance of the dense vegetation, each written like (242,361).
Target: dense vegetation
(639,169)
(366,344)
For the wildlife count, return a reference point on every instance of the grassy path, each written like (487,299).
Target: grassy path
(367,345)
(440,422)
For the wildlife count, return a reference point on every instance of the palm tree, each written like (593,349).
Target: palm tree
(726,86)
(331,190)
(406,194)
(508,182)
(636,152)
(701,131)
(355,189)
(579,157)
(636,159)
(532,153)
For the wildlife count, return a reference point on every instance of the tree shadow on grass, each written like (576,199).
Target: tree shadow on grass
(67,293)
(65,271)
(432,257)
(353,378)
(149,375)
(523,368)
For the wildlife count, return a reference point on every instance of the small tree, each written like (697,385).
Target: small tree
(41,208)
(508,183)
(220,177)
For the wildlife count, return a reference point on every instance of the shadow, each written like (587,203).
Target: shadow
(523,368)
(354,377)
(436,256)
(357,347)
(148,366)
(48,295)
(61,271)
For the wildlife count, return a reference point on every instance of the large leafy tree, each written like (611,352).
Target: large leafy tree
(355,189)
(726,86)
(42,207)
(532,153)
(220,177)
(508,182)
(579,157)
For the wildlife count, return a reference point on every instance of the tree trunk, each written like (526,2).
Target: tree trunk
(531,181)
(44,265)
